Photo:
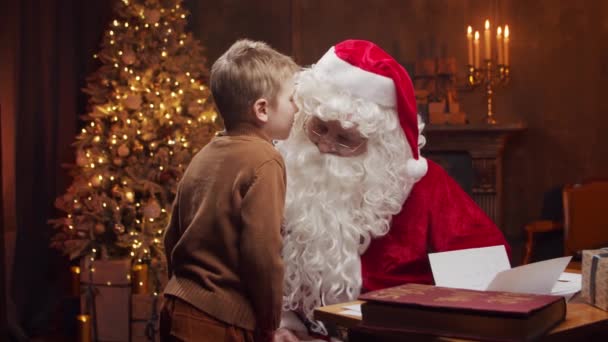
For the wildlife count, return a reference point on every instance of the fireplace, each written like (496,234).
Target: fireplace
(472,155)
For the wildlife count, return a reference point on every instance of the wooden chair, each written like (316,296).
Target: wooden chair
(585,220)
(585,216)
(550,221)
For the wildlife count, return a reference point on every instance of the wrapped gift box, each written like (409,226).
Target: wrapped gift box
(595,277)
(111,286)
(145,310)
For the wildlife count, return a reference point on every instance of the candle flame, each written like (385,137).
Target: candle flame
(476,35)
(487,24)
(469,30)
(506,31)
(83,318)
(499,31)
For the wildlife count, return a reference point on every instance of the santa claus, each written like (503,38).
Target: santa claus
(364,208)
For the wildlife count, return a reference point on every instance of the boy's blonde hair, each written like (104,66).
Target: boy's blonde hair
(248,71)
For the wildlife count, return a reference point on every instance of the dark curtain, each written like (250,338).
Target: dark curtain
(58,39)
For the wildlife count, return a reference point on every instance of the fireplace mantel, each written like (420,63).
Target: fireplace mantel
(483,145)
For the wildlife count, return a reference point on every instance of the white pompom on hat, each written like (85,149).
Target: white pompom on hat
(367,71)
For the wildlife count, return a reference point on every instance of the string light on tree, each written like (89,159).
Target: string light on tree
(127,160)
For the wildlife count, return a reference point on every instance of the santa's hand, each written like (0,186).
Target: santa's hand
(284,335)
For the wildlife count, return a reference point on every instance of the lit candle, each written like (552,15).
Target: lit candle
(476,44)
(75,274)
(139,279)
(506,39)
(487,45)
(470,44)
(499,45)
(84,328)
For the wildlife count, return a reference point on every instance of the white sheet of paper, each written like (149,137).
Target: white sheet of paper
(472,268)
(354,307)
(351,313)
(539,277)
(568,285)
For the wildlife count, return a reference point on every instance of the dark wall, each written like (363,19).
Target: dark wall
(558,54)
(219,23)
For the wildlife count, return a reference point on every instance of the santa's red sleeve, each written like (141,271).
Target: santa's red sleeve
(437,216)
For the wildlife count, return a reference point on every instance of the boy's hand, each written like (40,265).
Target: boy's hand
(284,335)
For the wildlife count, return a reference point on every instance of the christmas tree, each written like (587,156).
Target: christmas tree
(149,113)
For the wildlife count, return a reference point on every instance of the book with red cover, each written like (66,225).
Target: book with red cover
(481,315)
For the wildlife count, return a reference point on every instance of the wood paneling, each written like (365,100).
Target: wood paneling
(219,23)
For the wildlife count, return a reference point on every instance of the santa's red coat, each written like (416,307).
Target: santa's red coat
(437,216)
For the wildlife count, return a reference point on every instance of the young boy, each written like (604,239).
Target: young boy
(223,244)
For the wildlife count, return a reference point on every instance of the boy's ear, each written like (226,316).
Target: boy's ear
(260,107)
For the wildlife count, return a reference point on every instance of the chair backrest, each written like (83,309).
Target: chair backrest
(585,216)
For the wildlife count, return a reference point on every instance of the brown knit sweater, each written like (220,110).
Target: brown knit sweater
(223,244)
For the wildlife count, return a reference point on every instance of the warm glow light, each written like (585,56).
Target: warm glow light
(469,31)
(476,35)
(506,31)
(487,24)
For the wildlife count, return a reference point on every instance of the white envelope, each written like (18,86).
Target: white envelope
(472,268)
(488,268)
(538,277)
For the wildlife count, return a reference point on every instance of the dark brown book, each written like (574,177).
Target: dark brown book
(480,315)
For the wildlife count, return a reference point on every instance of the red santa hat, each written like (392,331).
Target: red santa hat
(365,70)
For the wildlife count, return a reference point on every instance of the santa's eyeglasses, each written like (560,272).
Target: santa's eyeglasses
(341,143)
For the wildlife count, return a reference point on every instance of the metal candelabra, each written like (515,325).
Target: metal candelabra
(490,77)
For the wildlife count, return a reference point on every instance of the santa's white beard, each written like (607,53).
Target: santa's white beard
(334,206)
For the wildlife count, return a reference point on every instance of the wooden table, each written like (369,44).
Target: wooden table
(583,323)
